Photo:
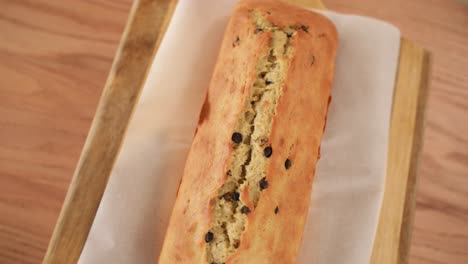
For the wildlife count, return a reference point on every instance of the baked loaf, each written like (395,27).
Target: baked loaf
(245,192)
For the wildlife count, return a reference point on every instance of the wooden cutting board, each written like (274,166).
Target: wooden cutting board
(145,28)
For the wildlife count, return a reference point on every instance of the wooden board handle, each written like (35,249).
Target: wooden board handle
(393,237)
(140,40)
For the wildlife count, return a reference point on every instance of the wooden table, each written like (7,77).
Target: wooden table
(54,59)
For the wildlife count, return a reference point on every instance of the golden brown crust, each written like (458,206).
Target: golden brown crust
(296,134)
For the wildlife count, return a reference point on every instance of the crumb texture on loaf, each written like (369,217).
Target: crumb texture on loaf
(249,160)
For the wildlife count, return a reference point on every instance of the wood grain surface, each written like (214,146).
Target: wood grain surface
(145,28)
(54,59)
(144,31)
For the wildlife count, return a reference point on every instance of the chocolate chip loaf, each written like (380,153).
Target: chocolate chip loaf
(245,191)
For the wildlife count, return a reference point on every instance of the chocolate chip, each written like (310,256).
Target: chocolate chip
(236,243)
(245,210)
(229,173)
(289,34)
(263,184)
(237,137)
(234,196)
(262,74)
(258,30)
(276,210)
(209,237)
(268,82)
(268,151)
(304,28)
(236,42)
(287,164)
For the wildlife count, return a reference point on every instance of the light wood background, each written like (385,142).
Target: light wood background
(54,59)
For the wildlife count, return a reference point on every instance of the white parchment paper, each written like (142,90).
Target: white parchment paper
(348,188)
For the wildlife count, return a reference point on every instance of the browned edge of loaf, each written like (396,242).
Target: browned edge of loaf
(393,238)
(145,28)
